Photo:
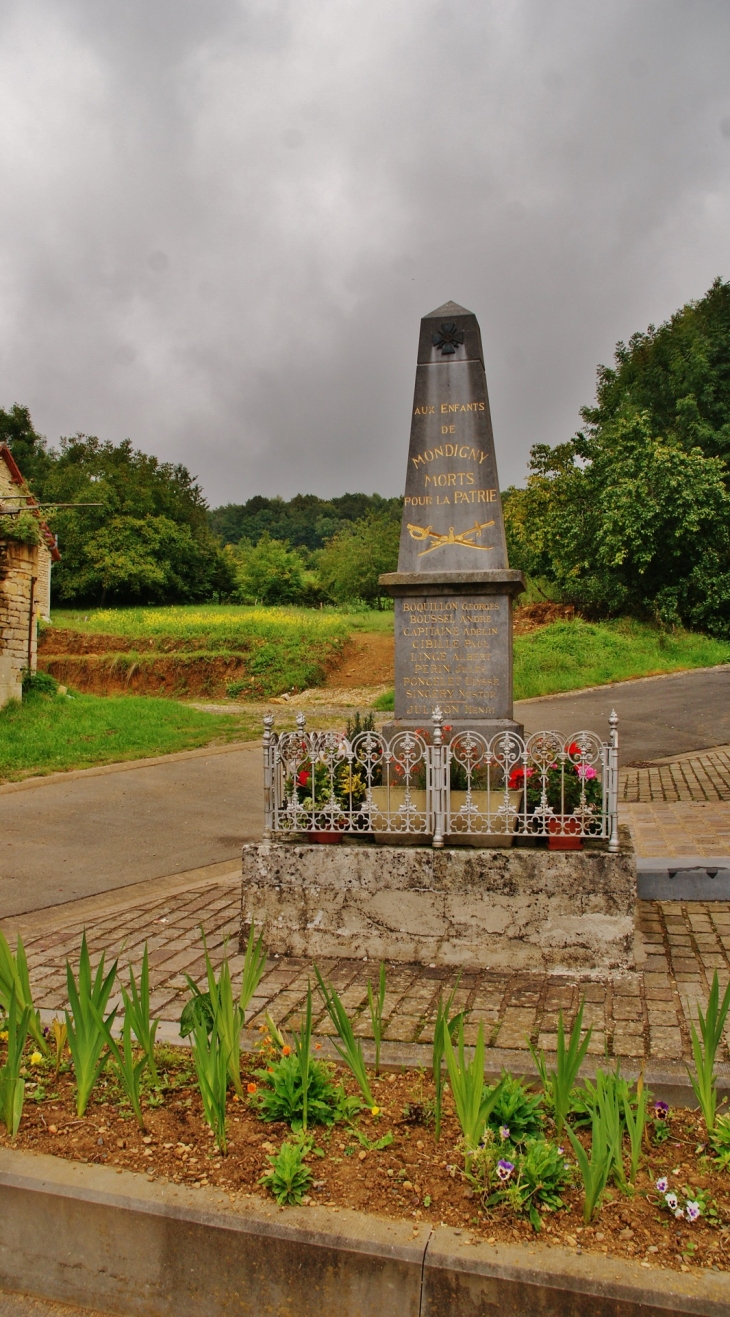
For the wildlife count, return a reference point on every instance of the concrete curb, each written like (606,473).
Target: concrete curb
(683,878)
(614,685)
(113,1241)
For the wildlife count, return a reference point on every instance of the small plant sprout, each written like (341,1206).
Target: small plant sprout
(302,1050)
(444,1021)
(376,1005)
(473,1103)
(211,1066)
(60,1038)
(348,1047)
(636,1125)
(14,977)
(12,1087)
(288,1179)
(137,1009)
(594,1172)
(86,1037)
(227,1015)
(558,1083)
(129,1069)
(703,1077)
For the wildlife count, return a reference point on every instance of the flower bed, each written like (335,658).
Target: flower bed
(600,1166)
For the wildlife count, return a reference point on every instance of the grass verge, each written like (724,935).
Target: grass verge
(48,734)
(568,656)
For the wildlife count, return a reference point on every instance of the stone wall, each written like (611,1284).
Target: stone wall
(488,909)
(19,564)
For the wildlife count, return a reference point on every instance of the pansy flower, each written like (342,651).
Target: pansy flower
(693,1210)
(661,1110)
(504,1169)
(671,1201)
(662,1184)
(504,1132)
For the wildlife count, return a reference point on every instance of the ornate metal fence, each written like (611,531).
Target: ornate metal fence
(441,785)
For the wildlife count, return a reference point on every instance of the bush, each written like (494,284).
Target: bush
(39,683)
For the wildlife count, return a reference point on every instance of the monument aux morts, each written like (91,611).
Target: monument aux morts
(453,589)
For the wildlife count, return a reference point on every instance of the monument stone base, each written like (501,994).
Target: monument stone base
(525,909)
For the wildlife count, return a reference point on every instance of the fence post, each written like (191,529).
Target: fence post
(438,753)
(269,802)
(613,843)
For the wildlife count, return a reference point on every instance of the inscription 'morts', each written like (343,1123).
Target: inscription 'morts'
(451,466)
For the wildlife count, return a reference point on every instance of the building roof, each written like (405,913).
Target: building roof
(17,479)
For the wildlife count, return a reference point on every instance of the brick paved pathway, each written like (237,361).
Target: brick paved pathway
(644,1014)
(696,776)
(683,828)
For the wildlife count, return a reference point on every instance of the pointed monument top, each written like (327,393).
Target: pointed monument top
(448,309)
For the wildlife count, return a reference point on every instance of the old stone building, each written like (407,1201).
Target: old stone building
(27,549)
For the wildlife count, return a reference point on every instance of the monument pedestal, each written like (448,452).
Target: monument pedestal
(453,648)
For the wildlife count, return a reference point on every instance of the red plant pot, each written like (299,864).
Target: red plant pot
(564,834)
(326,838)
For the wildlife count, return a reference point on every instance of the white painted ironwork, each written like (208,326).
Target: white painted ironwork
(441,785)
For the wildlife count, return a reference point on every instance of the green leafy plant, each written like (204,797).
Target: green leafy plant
(376,1145)
(288,1179)
(303,1054)
(14,977)
(12,1087)
(129,1068)
(474,1103)
(635,1121)
(211,1067)
(558,1083)
(281,1096)
(517,1110)
(137,1010)
(254,964)
(720,1141)
(594,1171)
(348,1047)
(703,1077)
(86,1037)
(198,1009)
(444,1022)
(227,1015)
(376,1005)
(536,1178)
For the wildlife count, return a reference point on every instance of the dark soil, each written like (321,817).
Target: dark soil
(414,1178)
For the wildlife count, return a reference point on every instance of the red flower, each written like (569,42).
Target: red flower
(517,777)
(303,777)
(574,749)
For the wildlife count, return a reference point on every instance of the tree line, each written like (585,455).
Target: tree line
(146,534)
(630,515)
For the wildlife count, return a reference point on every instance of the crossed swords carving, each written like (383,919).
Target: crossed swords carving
(426,533)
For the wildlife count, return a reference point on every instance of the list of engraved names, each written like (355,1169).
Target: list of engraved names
(451,650)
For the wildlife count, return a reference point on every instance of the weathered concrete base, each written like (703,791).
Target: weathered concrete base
(487,909)
(117,1244)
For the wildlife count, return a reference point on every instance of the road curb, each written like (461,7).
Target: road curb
(125,765)
(116,1242)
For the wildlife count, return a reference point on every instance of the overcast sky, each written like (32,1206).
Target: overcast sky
(221,220)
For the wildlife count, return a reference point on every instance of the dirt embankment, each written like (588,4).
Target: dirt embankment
(146,674)
(533,616)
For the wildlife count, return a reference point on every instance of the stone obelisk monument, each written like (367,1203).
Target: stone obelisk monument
(453,589)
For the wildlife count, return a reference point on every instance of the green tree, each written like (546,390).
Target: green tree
(303,522)
(268,573)
(633,514)
(148,540)
(350,564)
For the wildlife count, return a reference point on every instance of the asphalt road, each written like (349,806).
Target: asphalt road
(658,716)
(80,834)
(75,835)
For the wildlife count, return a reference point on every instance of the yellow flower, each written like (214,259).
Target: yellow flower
(35,1058)
(375,1111)
(4,1035)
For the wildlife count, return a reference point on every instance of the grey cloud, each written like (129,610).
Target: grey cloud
(221,223)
